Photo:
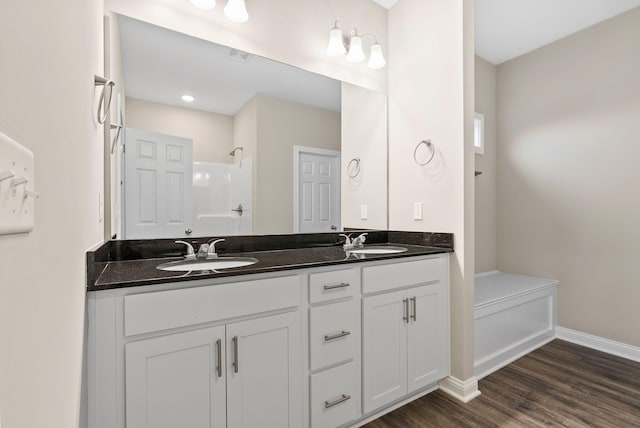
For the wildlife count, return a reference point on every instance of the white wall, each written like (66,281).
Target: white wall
(212,133)
(485,204)
(364,136)
(430,77)
(568,174)
(293,32)
(50,52)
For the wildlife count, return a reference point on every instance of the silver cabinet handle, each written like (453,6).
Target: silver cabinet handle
(219,348)
(406,310)
(342,399)
(334,286)
(343,333)
(413,301)
(235,354)
(188,231)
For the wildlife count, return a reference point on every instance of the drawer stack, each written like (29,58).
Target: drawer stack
(334,347)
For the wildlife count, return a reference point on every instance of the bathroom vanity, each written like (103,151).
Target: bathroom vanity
(330,340)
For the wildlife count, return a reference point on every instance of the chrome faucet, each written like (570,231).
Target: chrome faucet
(211,246)
(191,255)
(356,242)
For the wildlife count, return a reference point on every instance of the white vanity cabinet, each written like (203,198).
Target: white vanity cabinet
(213,355)
(321,347)
(334,347)
(241,374)
(405,329)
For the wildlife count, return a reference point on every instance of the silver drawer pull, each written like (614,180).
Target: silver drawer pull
(343,333)
(334,286)
(338,401)
(235,354)
(219,366)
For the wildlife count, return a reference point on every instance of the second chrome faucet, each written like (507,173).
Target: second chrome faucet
(205,251)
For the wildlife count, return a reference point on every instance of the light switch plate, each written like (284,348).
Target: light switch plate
(16,187)
(100,209)
(364,214)
(417,210)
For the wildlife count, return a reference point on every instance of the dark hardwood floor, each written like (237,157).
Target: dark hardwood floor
(560,384)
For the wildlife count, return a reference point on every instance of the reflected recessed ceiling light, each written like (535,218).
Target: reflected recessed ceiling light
(204,4)
(188,98)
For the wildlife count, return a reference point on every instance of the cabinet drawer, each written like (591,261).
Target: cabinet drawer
(334,333)
(162,310)
(404,274)
(332,285)
(334,396)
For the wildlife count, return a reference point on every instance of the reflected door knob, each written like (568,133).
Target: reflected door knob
(188,231)
(333,227)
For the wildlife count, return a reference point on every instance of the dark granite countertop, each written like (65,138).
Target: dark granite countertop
(108,271)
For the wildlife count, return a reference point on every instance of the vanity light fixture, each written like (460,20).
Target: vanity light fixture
(355,54)
(235,10)
(204,4)
(188,98)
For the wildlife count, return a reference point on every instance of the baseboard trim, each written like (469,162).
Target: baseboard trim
(464,391)
(612,347)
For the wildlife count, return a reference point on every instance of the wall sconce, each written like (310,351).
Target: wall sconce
(235,10)
(337,47)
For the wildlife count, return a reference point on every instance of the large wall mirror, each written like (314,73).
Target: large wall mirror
(216,141)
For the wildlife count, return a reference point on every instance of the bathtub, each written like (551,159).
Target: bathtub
(514,314)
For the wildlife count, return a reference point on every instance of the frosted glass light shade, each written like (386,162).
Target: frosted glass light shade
(356,54)
(336,45)
(204,4)
(236,11)
(376,59)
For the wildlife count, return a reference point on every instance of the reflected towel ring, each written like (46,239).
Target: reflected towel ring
(427,143)
(356,167)
(104,104)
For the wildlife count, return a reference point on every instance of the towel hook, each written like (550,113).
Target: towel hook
(427,143)
(354,170)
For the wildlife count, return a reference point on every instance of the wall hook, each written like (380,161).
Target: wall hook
(5,175)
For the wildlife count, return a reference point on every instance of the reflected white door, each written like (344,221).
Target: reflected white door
(316,190)
(157,185)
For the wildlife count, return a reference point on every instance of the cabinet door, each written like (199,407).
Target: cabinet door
(172,381)
(264,373)
(427,343)
(384,349)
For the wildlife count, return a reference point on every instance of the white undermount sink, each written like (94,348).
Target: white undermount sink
(377,249)
(211,264)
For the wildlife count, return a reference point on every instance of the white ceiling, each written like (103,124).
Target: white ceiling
(160,65)
(506,29)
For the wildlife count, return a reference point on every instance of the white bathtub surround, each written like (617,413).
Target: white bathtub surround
(464,391)
(514,315)
(217,188)
(612,347)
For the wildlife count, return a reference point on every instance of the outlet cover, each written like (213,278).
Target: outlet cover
(364,212)
(417,210)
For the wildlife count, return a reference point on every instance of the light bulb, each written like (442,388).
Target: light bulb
(236,11)
(204,4)
(376,59)
(336,44)
(356,54)
(188,98)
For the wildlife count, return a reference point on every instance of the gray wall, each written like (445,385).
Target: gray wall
(569,174)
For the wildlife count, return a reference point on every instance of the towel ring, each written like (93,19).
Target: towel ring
(104,105)
(356,167)
(427,143)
